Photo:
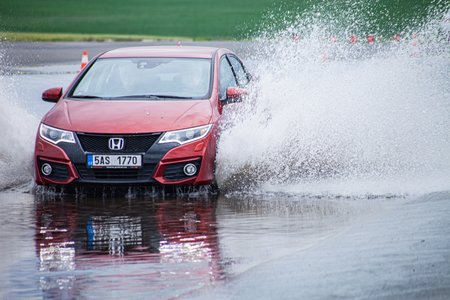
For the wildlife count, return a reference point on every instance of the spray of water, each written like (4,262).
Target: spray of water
(325,110)
(18,130)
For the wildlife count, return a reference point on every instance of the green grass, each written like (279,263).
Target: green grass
(59,37)
(195,19)
(189,18)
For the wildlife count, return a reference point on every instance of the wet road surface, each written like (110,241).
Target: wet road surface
(228,247)
(76,246)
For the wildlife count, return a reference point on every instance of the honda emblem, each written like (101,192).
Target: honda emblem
(116,143)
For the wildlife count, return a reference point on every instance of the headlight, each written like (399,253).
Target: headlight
(55,136)
(185,135)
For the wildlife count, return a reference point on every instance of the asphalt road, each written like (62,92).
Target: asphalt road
(20,54)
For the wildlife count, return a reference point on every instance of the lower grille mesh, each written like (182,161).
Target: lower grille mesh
(119,175)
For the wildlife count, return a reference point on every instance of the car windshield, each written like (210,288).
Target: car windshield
(145,78)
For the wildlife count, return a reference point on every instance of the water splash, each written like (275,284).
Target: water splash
(324,109)
(18,128)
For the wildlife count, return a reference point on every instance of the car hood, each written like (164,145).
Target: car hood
(102,116)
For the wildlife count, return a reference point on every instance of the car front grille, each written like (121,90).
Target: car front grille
(99,143)
(116,175)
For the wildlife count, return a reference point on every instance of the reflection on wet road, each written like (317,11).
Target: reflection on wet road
(155,248)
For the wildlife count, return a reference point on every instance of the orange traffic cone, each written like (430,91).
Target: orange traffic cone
(84,59)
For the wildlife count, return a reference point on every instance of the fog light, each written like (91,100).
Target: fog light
(190,169)
(46,169)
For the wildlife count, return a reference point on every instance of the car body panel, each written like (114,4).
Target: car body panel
(105,116)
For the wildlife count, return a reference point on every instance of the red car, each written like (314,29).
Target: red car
(142,115)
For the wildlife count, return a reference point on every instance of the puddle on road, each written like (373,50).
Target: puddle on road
(72,247)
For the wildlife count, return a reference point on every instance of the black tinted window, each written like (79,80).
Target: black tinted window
(239,71)
(226,78)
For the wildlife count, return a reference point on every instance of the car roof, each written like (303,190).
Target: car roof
(162,51)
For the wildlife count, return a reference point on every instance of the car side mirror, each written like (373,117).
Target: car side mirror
(235,94)
(52,95)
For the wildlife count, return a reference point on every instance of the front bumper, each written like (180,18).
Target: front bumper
(162,164)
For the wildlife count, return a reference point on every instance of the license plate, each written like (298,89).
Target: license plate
(114,161)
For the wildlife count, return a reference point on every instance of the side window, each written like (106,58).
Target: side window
(239,70)
(226,78)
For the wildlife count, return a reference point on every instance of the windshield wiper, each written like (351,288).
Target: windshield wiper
(88,97)
(149,96)
(172,97)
